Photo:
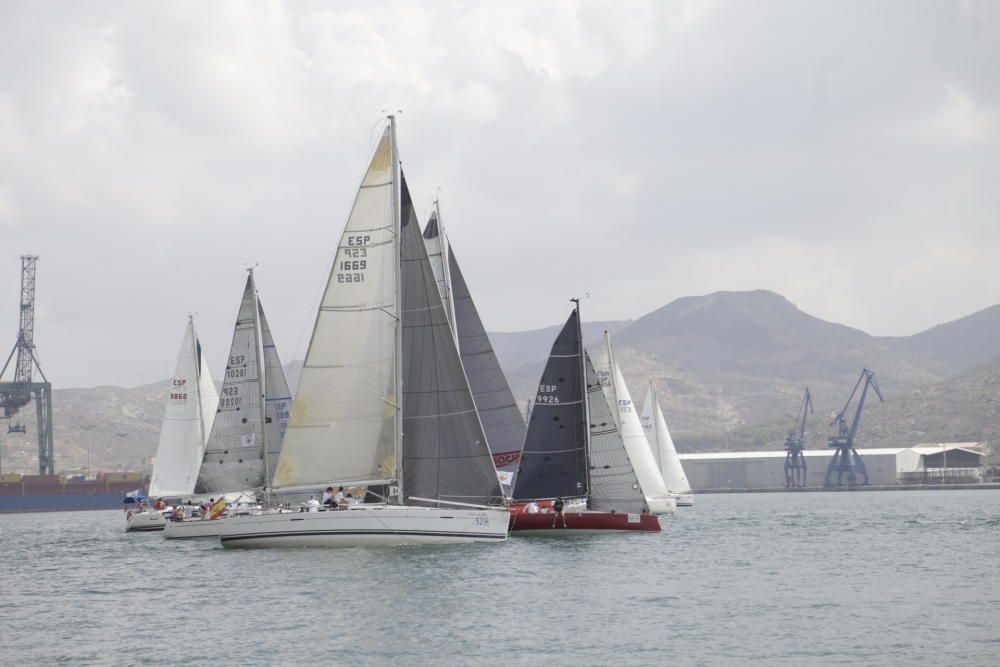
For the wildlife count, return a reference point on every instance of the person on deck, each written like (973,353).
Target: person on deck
(339,496)
(312,505)
(327,499)
(557,507)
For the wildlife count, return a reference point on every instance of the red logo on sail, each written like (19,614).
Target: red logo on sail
(502,459)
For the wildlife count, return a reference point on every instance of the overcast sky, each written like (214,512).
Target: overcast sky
(843,154)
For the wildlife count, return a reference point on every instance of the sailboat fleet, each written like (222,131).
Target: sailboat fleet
(401,396)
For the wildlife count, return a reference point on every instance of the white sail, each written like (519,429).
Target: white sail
(343,422)
(613,483)
(631,430)
(437,252)
(186,420)
(662,445)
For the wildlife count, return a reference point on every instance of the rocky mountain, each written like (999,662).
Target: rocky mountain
(729,369)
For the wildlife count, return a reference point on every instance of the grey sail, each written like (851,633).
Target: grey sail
(445,455)
(502,421)
(234,455)
(554,457)
(277,397)
(613,484)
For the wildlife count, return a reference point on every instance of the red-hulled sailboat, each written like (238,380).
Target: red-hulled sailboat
(573,451)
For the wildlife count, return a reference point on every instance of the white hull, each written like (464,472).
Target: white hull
(175,530)
(147,521)
(684,499)
(374,525)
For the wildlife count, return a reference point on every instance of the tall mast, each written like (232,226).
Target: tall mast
(397,235)
(586,394)
(262,383)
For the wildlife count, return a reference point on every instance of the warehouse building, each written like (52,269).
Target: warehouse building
(925,463)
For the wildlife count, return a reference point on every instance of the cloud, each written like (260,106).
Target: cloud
(843,155)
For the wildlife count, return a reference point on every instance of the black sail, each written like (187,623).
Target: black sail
(502,420)
(445,452)
(554,457)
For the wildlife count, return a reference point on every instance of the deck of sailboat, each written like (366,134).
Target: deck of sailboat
(581,523)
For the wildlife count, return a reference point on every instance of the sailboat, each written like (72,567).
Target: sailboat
(502,420)
(383,401)
(627,419)
(187,420)
(245,440)
(574,451)
(662,446)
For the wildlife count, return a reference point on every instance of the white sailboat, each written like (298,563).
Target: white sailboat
(502,420)
(613,382)
(383,401)
(662,446)
(187,420)
(245,440)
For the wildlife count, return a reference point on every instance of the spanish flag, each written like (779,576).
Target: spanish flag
(218,509)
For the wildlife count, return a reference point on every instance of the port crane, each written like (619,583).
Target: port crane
(795,442)
(846,459)
(18,393)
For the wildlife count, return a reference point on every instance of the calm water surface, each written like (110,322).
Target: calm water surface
(880,578)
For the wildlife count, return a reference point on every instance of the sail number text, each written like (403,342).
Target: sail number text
(546,394)
(230,397)
(354,270)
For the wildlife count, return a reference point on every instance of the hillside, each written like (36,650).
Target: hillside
(729,369)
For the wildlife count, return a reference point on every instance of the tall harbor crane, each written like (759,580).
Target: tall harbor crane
(795,442)
(846,458)
(16,394)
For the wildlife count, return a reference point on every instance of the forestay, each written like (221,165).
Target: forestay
(662,445)
(187,420)
(554,457)
(342,426)
(444,449)
(613,484)
(278,397)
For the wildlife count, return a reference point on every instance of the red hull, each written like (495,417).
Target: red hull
(583,522)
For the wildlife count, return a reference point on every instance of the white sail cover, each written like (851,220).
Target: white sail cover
(662,445)
(186,420)
(342,426)
(613,483)
(632,434)
(234,455)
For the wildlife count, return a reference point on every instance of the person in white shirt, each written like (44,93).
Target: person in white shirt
(312,504)
(339,496)
(327,500)
(531,508)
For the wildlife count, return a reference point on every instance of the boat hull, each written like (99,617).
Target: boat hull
(144,522)
(374,525)
(177,530)
(684,499)
(582,523)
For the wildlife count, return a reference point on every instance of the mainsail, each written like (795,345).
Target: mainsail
(245,431)
(187,421)
(343,422)
(613,483)
(383,396)
(631,430)
(662,445)
(554,457)
(502,421)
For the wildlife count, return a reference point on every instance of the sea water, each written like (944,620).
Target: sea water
(873,578)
